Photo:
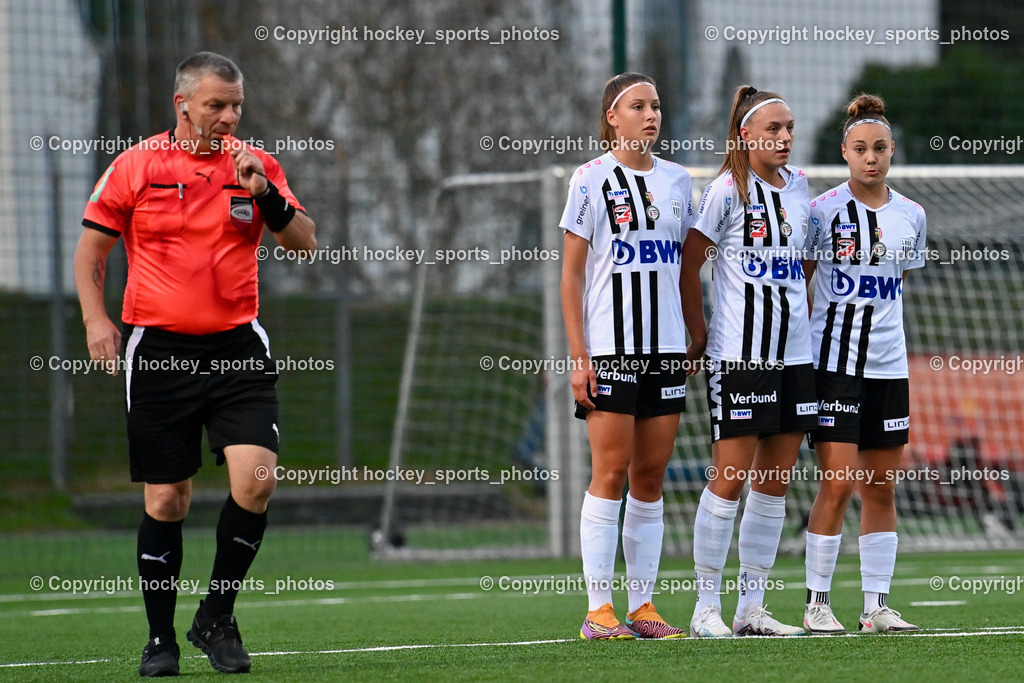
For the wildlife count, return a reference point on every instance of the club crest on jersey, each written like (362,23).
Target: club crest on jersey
(677,209)
(653,213)
(786,229)
(650,197)
(241,212)
(878,249)
(843,228)
(878,233)
(623,214)
(617,195)
(782,212)
(846,246)
(758,228)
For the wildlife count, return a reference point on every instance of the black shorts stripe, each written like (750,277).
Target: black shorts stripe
(618,321)
(780,354)
(654,311)
(862,346)
(843,357)
(748,320)
(826,336)
(767,305)
(638,313)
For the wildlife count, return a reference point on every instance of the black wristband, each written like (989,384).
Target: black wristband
(277,212)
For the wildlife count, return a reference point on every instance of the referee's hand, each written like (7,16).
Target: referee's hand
(582,379)
(104,339)
(249,171)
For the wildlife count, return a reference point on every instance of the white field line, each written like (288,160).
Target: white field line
(989,631)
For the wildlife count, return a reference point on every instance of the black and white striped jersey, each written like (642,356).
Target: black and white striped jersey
(759,288)
(857,320)
(635,222)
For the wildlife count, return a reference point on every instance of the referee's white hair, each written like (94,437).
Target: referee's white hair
(193,69)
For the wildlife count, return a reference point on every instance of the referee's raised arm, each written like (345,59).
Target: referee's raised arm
(299,232)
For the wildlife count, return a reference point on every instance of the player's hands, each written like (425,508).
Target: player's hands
(249,171)
(694,355)
(584,377)
(104,340)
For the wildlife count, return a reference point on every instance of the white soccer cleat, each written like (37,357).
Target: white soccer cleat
(819,620)
(885,620)
(759,622)
(708,624)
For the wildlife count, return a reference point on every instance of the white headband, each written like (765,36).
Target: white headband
(857,123)
(626,90)
(746,117)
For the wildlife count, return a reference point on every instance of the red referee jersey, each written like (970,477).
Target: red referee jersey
(190,232)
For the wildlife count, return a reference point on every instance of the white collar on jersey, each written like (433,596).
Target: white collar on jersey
(786,173)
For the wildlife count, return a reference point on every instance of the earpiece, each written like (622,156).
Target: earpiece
(183,107)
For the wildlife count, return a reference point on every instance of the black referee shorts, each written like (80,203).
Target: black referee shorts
(176,384)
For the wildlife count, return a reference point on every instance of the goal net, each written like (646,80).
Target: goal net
(484,412)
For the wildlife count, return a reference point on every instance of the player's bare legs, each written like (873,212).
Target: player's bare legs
(838,462)
(611,449)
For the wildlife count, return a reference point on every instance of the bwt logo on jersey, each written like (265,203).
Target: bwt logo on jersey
(870,286)
(651,251)
(826,421)
(744,414)
(604,390)
(897,424)
(617,194)
(782,266)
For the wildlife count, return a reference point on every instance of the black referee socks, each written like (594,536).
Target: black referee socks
(239,535)
(159,557)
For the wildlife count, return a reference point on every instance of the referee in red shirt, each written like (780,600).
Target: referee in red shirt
(191,204)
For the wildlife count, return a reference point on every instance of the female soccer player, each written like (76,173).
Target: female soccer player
(864,237)
(751,223)
(624,222)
